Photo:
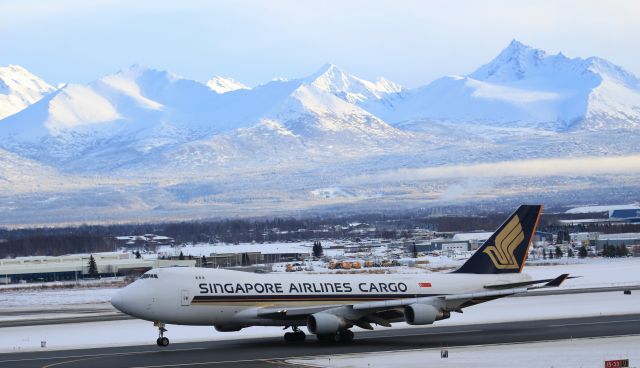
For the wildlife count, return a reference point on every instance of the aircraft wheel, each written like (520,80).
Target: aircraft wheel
(297,336)
(346,336)
(300,336)
(162,341)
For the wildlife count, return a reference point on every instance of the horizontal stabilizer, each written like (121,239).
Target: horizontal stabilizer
(549,283)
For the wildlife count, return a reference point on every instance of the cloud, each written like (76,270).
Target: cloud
(583,166)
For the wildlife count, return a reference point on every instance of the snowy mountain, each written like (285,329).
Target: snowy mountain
(19,89)
(140,115)
(524,86)
(223,85)
(144,142)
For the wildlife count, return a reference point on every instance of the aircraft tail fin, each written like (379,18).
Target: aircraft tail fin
(507,248)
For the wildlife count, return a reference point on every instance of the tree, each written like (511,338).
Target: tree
(544,254)
(204,261)
(93,268)
(317,249)
(550,254)
(558,252)
(582,252)
(415,251)
(138,255)
(623,251)
(570,253)
(181,256)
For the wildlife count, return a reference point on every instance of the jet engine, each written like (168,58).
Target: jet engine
(324,323)
(423,314)
(222,328)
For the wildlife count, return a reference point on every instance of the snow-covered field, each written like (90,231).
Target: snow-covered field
(564,353)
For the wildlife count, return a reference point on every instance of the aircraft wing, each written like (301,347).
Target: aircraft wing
(381,312)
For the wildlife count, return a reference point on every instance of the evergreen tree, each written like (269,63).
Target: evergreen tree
(415,251)
(558,252)
(181,256)
(93,268)
(623,251)
(570,253)
(317,249)
(138,255)
(544,254)
(582,252)
(550,254)
(607,251)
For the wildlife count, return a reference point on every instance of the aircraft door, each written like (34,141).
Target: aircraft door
(185,298)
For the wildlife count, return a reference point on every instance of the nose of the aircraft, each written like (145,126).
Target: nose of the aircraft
(117,302)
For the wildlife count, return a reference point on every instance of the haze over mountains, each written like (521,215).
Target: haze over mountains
(150,143)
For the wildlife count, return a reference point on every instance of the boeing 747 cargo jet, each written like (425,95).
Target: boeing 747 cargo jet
(330,304)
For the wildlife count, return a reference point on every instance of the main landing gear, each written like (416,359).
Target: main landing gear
(161,341)
(342,336)
(296,336)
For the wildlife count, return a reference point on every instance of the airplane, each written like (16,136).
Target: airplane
(329,305)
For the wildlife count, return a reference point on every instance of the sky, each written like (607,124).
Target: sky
(408,42)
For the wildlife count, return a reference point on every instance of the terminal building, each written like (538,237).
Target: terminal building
(76,266)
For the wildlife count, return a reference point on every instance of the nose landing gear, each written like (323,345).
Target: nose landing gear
(161,341)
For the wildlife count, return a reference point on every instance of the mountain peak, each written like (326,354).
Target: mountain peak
(222,85)
(20,88)
(327,69)
(512,63)
(330,78)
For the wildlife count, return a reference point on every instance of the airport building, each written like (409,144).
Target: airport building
(76,266)
(626,239)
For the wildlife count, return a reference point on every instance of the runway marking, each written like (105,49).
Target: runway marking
(418,334)
(594,323)
(96,355)
(67,362)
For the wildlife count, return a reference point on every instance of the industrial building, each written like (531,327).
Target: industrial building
(76,266)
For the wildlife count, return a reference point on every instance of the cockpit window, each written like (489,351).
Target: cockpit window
(149,276)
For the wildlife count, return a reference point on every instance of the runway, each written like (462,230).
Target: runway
(272,351)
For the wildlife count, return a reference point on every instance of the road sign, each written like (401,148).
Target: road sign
(620,363)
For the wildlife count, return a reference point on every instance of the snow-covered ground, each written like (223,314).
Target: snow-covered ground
(563,353)
(56,297)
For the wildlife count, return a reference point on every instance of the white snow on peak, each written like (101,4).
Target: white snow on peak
(350,88)
(524,86)
(513,63)
(223,85)
(77,105)
(19,88)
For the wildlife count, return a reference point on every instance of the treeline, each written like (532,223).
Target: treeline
(96,238)
(55,245)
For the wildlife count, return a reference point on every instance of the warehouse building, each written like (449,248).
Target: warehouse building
(76,266)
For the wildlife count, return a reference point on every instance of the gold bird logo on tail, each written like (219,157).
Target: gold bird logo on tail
(506,242)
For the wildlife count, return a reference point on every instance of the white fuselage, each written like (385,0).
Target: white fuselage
(205,296)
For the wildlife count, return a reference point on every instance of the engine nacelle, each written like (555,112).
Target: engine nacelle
(324,323)
(423,314)
(221,328)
